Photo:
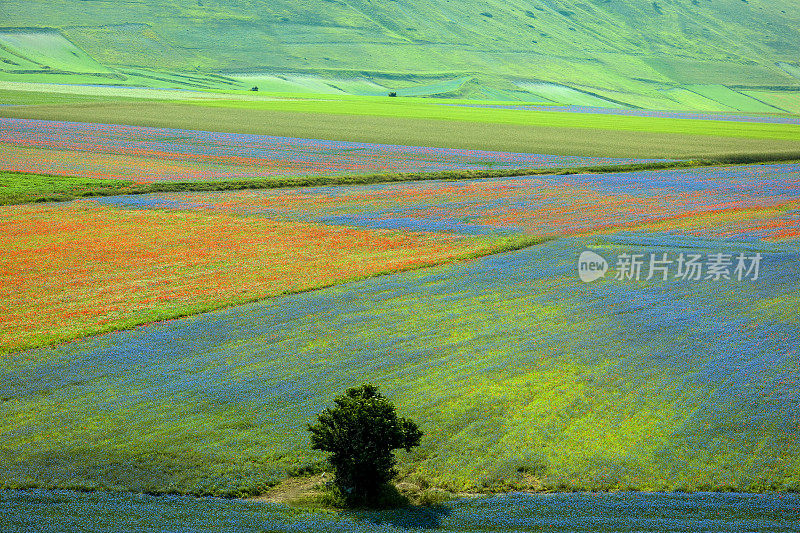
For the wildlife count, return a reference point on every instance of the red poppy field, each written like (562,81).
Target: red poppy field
(77,269)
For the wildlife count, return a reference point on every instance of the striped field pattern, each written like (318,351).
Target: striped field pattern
(522,376)
(158,154)
(540,205)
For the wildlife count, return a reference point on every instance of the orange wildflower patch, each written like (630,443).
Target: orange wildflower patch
(75,269)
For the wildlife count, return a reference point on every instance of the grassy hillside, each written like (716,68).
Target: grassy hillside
(607,52)
(434,36)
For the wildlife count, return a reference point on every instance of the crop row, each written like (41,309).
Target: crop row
(54,511)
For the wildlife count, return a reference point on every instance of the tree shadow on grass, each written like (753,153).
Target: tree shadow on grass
(396,509)
(410,517)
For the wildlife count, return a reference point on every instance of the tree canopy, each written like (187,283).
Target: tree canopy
(361,433)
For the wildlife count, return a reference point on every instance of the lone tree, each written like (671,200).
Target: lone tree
(361,433)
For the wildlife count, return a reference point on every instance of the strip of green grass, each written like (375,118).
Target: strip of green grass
(13,97)
(19,188)
(22,188)
(541,138)
(434,110)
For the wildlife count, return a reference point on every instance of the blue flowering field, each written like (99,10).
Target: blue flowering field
(520,375)
(55,511)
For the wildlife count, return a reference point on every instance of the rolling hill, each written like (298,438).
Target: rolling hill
(718,55)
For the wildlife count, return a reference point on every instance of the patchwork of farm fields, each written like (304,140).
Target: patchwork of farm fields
(72,270)
(653,123)
(460,298)
(538,205)
(688,115)
(420,122)
(158,154)
(520,375)
(97,265)
(561,237)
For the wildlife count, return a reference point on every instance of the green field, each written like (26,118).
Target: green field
(23,188)
(428,123)
(433,110)
(45,49)
(38,96)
